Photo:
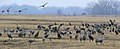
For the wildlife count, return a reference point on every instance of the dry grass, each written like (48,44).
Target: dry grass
(111,40)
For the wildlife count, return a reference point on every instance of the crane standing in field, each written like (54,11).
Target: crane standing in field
(36,35)
(9,33)
(31,41)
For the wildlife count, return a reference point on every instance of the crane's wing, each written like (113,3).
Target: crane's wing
(9,8)
(43,5)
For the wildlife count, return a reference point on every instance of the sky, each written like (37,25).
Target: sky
(51,3)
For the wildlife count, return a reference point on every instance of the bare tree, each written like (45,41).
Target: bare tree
(104,7)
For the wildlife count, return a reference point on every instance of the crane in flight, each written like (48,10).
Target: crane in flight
(8,10)
(44,5)
(3,11)
(21,10)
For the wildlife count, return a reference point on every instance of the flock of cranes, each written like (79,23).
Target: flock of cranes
(83,32)
(20,10)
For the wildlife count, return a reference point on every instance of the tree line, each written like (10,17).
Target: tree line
(103,7)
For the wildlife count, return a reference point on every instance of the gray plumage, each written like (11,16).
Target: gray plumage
(31,41)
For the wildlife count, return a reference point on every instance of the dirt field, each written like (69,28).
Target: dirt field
(31,21)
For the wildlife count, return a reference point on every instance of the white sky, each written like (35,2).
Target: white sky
(58,3)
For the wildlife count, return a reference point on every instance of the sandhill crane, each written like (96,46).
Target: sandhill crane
(19,11)
(112,22)
(59,36)
(44,5)
(54,29)
(93,31)
(75,28)
(9,34)
(76,36)
(70,35)
(36,35)
(83,37)
(49,26)
(67,29)
(45,37)
(90,37)
(82,29)
(99,40)
(3,11)
(60,26)
(8,10)
(5,30)
(12,31)
(40,27)
(46,31)
(31,41)
(116,32)
(32,32)
(77,31)
(22,33)
(100,31)
(113,29)
(62,33)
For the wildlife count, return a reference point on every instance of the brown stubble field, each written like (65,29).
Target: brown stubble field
(31,21)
